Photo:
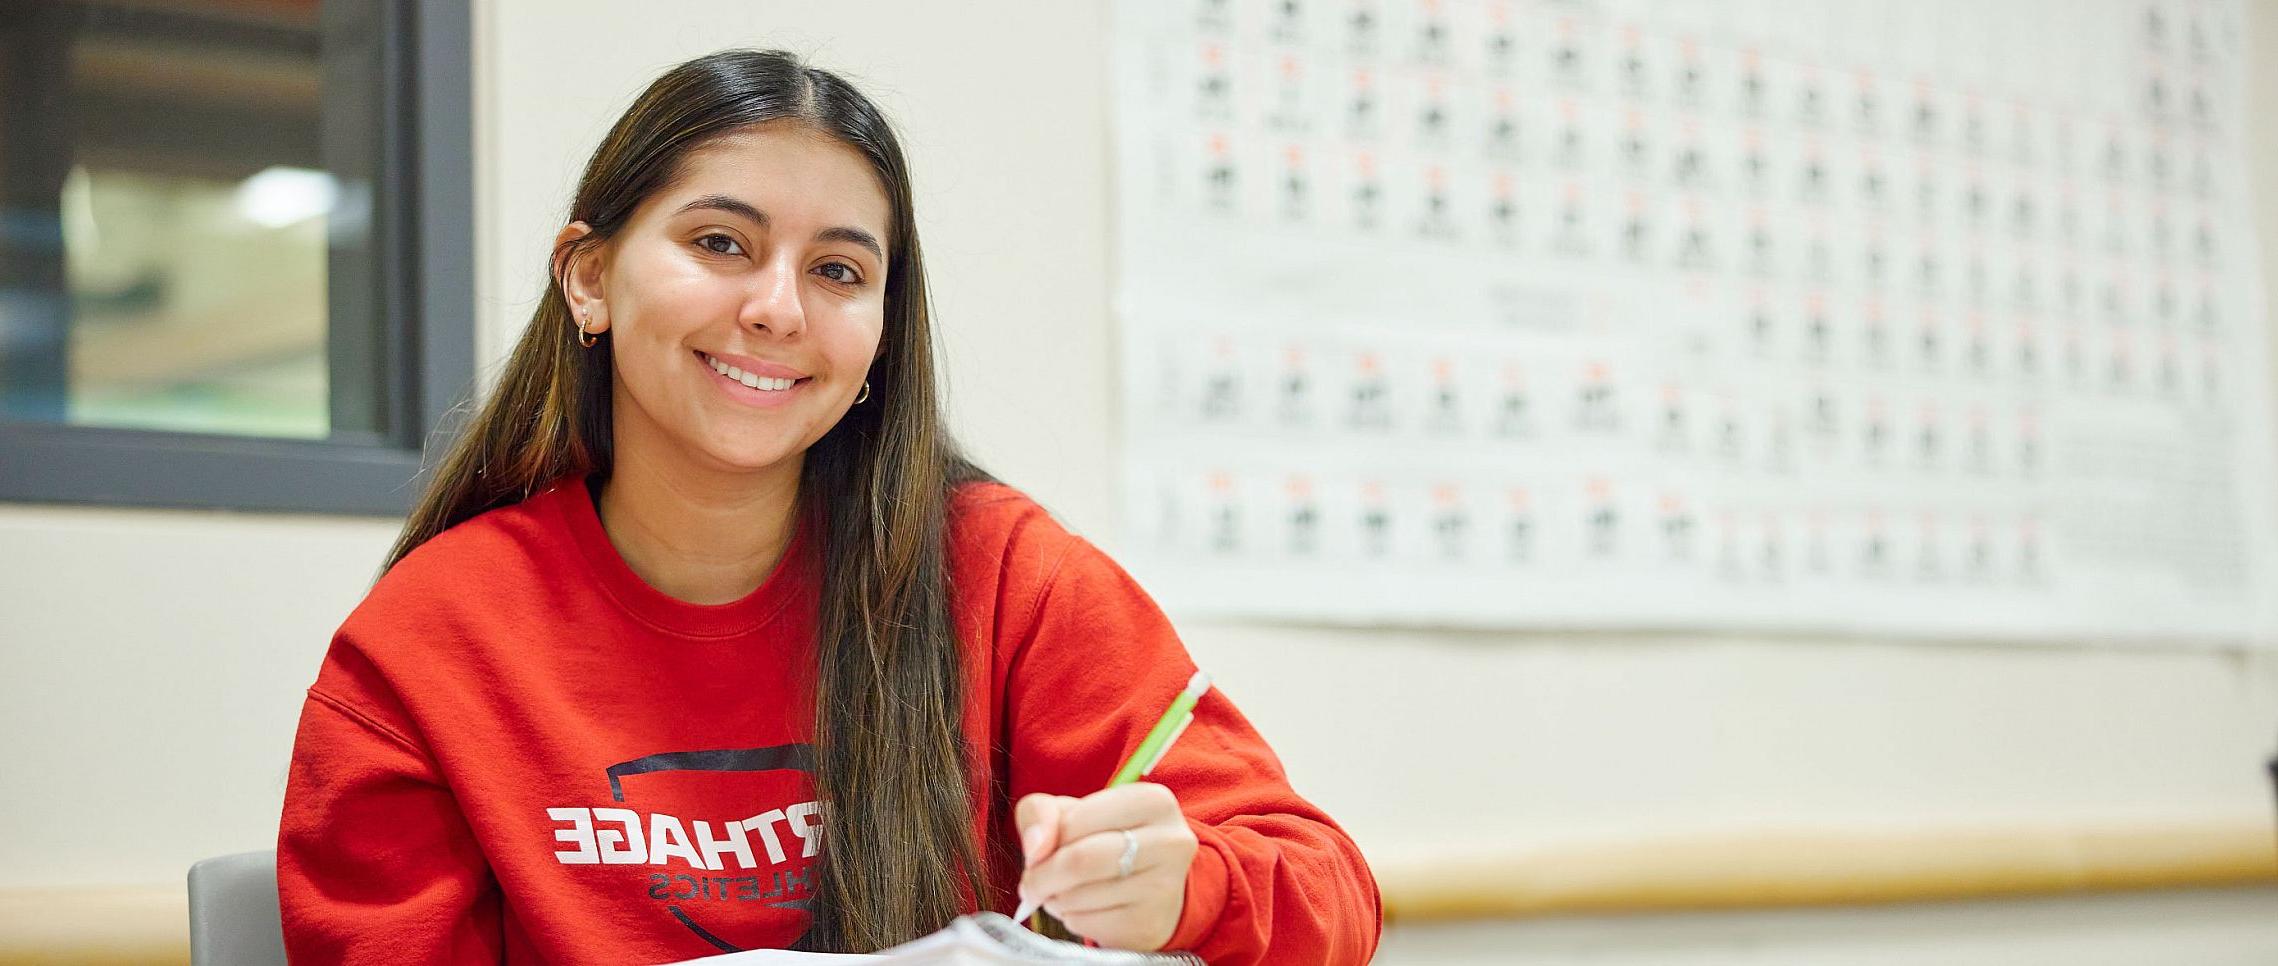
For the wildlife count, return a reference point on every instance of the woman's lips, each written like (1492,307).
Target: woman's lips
(763,396)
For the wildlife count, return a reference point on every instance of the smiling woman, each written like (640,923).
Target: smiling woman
(709,553)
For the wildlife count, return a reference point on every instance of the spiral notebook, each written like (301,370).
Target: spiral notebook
(981,939)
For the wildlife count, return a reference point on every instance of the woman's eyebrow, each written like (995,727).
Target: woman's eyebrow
(739,207)
(854,236)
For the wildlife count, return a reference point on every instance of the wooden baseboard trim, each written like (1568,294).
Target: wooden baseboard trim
(150,924)
(95,926)
(1786,869)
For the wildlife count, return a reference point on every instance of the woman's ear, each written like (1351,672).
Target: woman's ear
(577,269)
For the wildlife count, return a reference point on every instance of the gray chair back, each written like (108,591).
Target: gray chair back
(233,911)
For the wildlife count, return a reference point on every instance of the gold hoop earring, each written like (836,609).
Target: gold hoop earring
(584,338)
(864,395)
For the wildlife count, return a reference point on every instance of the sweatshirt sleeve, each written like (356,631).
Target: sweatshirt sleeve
(375,863)
(1274,880)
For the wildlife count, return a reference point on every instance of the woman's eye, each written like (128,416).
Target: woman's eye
(840,272)
(719,244)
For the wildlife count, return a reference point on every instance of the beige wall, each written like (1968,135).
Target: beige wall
(151,662)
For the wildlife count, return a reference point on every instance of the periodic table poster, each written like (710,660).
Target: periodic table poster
(1937,318)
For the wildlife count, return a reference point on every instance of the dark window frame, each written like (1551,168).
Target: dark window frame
(424,200)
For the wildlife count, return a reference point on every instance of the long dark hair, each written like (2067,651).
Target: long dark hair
(891,761)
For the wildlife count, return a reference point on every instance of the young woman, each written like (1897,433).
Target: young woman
(705,637)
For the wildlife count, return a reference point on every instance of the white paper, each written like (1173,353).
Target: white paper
(978,939)
(784,957)
(1941,319)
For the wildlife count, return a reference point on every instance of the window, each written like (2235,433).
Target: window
(235,243)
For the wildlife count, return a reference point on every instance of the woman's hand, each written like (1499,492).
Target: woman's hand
(1076,849)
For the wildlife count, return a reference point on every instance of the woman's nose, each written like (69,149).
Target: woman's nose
(774,302)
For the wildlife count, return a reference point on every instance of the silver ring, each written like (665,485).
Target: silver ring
(1130,855)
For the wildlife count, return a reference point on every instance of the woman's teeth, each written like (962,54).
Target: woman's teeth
(753,380)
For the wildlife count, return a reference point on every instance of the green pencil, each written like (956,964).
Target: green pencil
(1144,758)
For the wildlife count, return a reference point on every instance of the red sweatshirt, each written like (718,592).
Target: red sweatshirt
(518,750)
